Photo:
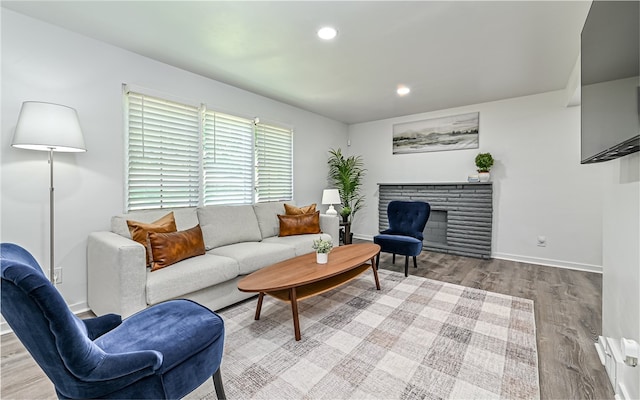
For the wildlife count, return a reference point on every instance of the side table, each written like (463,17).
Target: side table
(345,232)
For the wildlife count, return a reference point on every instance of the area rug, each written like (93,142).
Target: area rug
(414,339)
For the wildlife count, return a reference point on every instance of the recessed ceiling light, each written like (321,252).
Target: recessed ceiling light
(403,90)
(327,33)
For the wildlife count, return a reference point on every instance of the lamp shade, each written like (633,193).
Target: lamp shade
(46,127)
(331,196)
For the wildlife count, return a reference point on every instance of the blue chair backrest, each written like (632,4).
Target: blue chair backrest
(41,319)
(408,218)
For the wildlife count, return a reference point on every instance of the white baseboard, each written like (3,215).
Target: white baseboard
(75,308)
(529,260)
(549,262)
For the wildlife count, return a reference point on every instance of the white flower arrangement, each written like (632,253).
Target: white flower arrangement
(322,246)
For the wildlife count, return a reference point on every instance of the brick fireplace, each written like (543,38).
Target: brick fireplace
(461,214)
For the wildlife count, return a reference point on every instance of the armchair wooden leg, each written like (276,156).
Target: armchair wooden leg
(378,261)
(406,266)
(393,261)
(415,263)
(217,383)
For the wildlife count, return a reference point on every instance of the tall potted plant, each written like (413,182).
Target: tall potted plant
(346,174)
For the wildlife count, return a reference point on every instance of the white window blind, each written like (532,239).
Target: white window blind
(227,159)
(163,153)
(181,155)
(274,167)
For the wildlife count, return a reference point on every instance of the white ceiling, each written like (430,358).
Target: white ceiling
(450,53)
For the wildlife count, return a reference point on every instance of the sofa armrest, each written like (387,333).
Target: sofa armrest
(330,224)
(117,274)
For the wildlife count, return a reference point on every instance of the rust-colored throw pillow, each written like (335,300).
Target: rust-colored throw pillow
(293,210)
(139,230)
(299,224)
(169,248)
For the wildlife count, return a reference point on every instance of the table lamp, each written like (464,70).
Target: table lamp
(331,197)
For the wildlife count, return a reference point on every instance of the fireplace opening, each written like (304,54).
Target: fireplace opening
(436,229)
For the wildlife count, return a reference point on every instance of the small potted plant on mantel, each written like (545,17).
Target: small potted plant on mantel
(322,248)
(484,162)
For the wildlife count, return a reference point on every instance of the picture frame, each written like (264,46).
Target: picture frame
(456,132)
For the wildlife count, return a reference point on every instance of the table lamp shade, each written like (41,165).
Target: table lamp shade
(331,196)
(48,127)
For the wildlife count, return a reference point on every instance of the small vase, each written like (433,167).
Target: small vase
(322,258)
(484,176)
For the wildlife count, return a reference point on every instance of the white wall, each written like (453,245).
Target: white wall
(540,188)
(45,63)
(621,257)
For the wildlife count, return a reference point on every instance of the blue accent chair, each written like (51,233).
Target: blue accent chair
(162,352)
(407,220)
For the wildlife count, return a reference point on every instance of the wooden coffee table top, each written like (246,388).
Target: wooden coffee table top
(302,270)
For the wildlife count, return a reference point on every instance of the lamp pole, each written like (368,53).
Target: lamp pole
(52,268)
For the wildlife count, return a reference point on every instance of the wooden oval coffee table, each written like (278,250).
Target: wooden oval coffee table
(301,277)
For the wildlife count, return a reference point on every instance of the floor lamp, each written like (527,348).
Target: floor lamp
(48,127)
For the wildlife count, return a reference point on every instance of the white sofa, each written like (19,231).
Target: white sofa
(238,241)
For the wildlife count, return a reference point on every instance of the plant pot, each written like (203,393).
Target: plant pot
(484,176)
(322,258)
(345,218)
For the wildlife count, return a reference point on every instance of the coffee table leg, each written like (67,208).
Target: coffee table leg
(375,272)
(259,306)
(294,310)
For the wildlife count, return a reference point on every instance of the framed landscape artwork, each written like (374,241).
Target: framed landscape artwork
(438,134)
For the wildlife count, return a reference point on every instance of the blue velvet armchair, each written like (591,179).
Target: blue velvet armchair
(162,352)
(404,236)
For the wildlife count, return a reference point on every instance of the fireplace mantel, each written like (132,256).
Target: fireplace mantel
(461,214)
(436,184)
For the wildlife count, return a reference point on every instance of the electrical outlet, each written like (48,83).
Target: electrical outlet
(542,241)
(57,275)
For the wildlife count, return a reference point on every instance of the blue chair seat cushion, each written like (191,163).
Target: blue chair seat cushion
(177,329)
(417,235)
(397,244)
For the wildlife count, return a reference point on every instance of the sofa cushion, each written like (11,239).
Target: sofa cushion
(189,276)
(299,224)
(267,215)
(294,210)
(185,217)
(140,230)
(301,243)
(252,256)
(223,225)
(169,248)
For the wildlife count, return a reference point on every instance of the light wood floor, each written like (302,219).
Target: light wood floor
(567,307)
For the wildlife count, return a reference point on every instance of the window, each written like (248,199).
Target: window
(163,154)
(274,155)
(227,159)
(183,156)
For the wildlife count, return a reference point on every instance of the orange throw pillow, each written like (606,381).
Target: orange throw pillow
(293,210)
(139,230)
(299,224)
(169,248)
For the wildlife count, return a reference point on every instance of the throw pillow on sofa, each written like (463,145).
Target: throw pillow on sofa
(140,230)
(299,224)
(293,210)
(169,248)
